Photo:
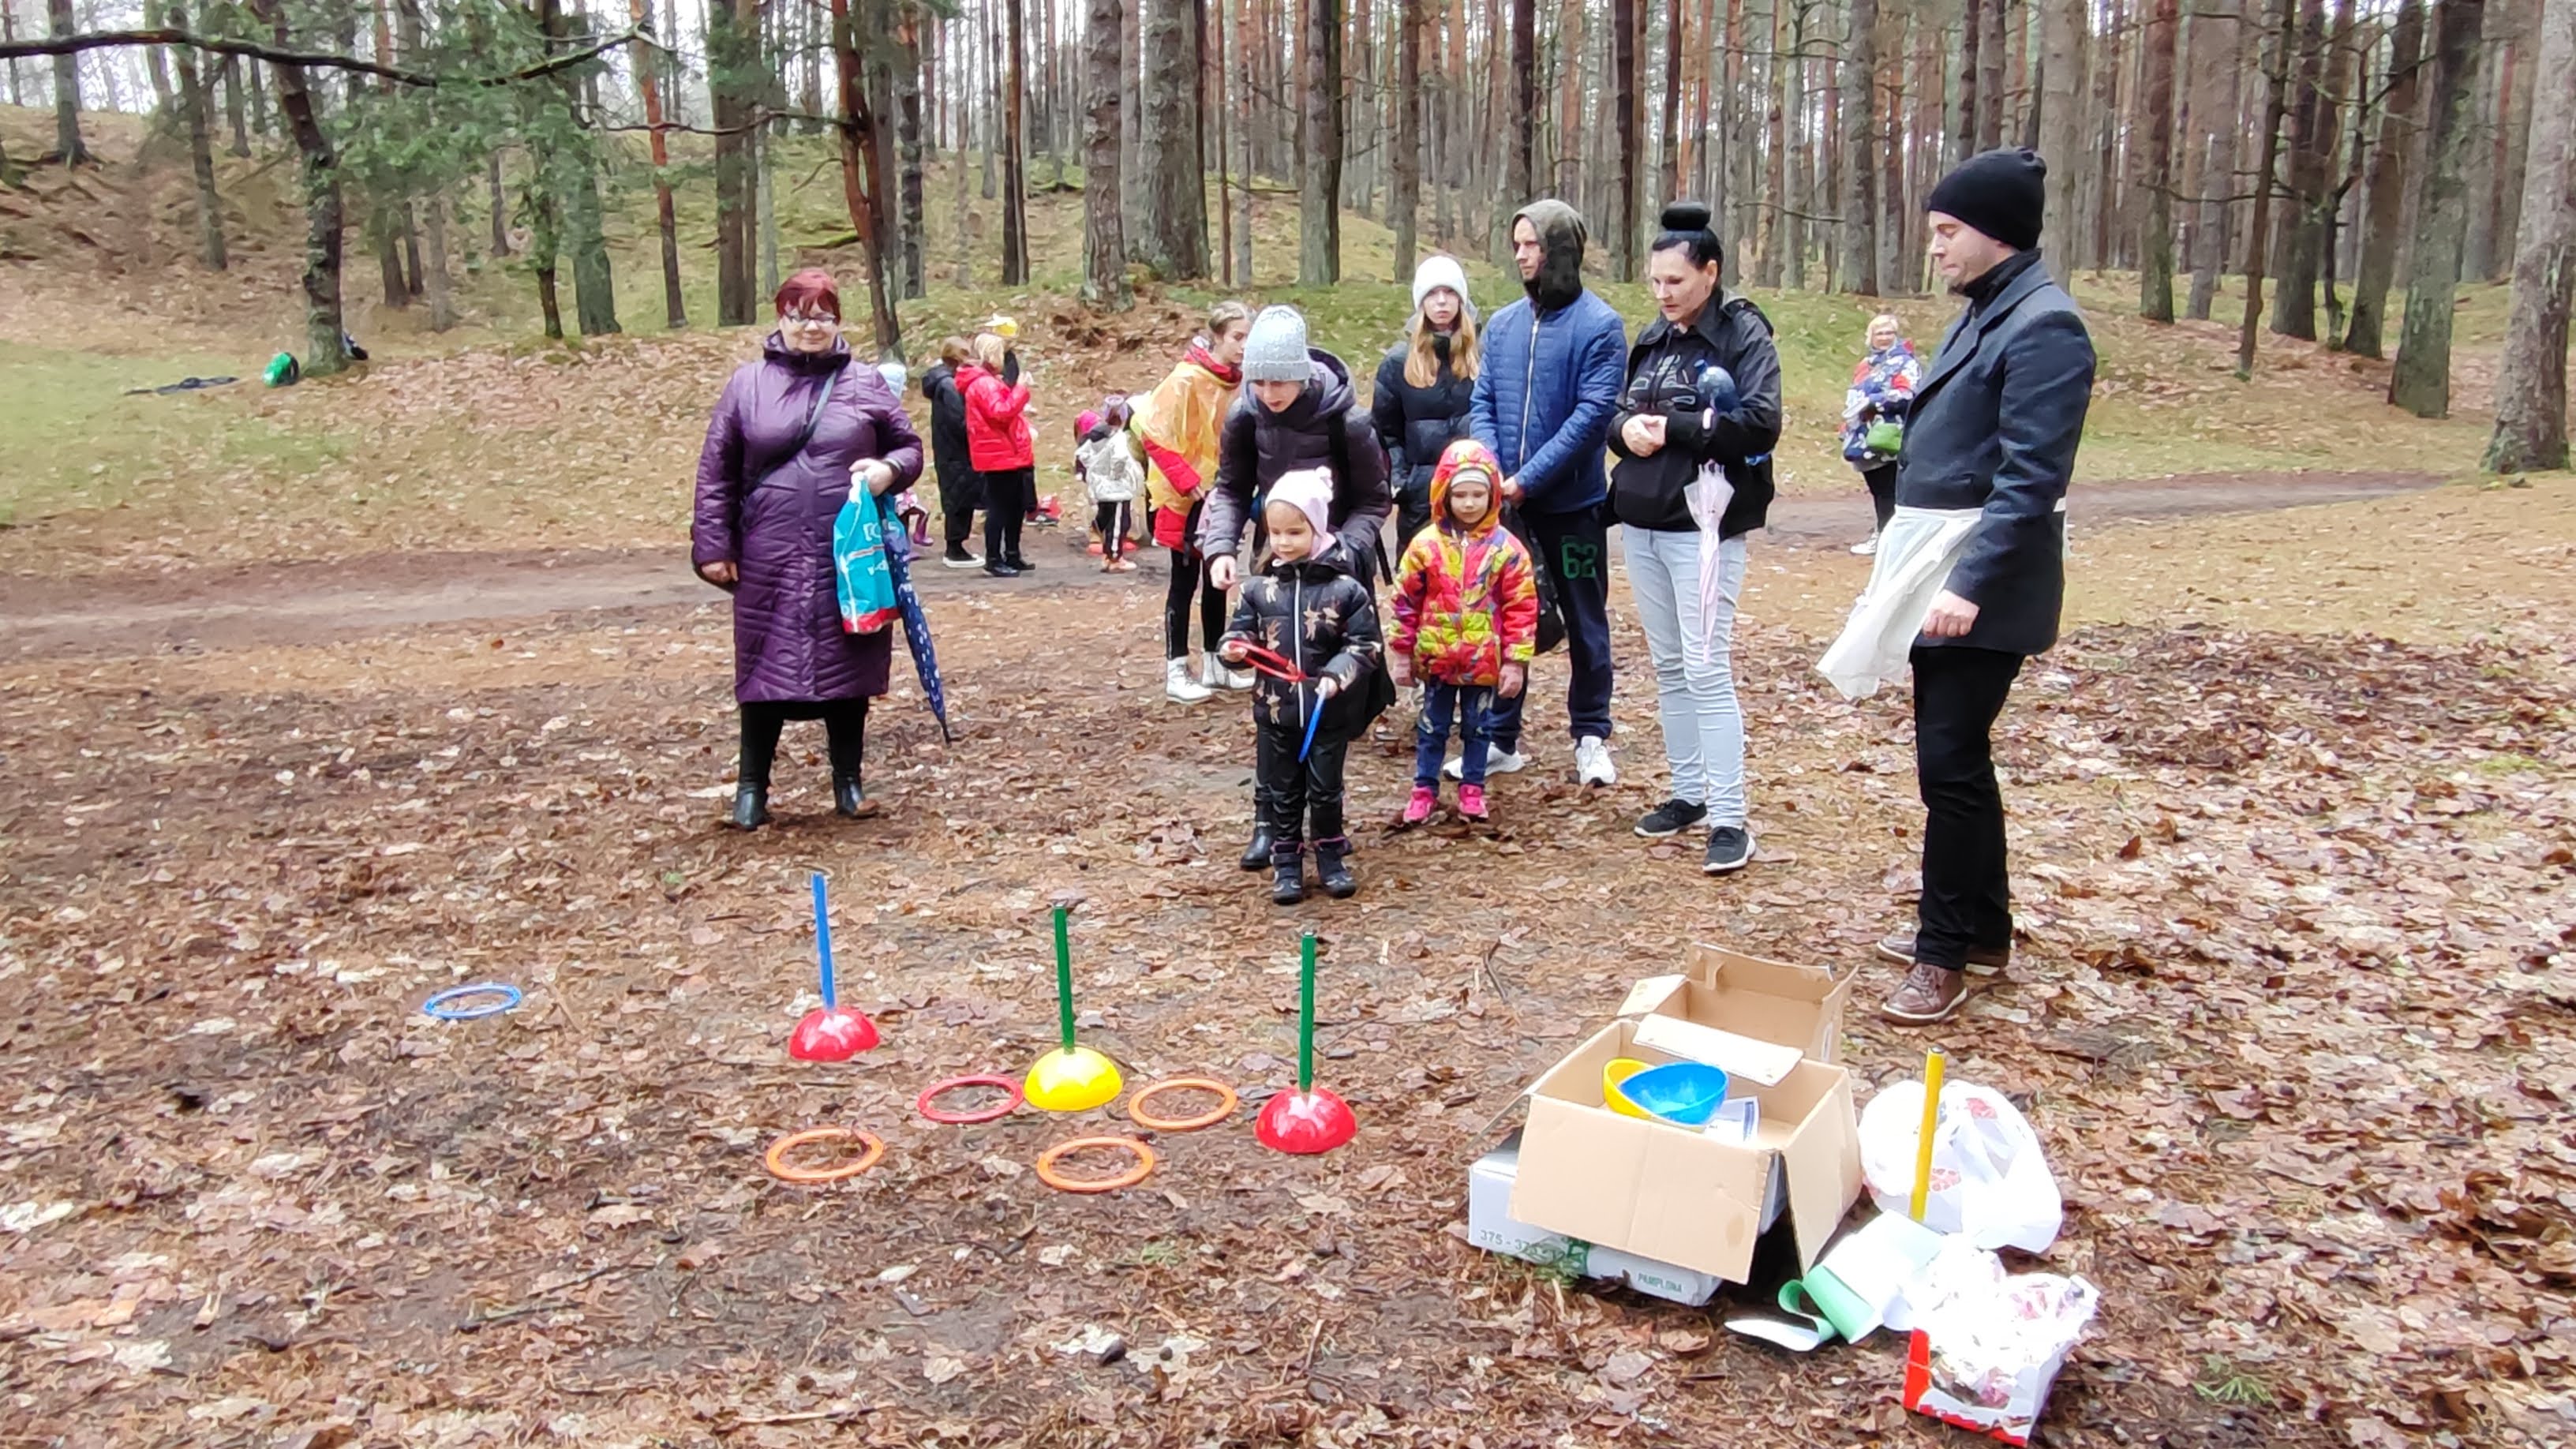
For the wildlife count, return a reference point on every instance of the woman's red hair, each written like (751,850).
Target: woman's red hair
(810,288)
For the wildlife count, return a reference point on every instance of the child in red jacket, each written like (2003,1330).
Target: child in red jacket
(1466,623)
(999,444)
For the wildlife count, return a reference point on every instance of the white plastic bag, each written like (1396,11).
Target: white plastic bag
(1989,1179)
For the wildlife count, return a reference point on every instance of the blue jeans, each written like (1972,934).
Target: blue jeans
(1694,655)
(1472,706)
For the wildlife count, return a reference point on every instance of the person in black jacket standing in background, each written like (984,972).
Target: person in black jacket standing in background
(1990,443)
(1703,388)
(1424,386)
(959,494)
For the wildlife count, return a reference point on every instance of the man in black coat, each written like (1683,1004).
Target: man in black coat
(1993,430)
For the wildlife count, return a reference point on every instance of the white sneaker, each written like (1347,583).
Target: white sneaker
(1214,674)
(962,560)
(1592,762)
(1178,687)
(1867,546)
(1497,762)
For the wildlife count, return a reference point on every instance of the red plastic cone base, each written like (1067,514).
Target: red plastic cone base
(831,1036)
(1315,1121)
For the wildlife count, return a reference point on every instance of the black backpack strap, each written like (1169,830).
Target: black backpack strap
(813,420)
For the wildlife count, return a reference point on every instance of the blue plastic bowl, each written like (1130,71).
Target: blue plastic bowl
(1685,1092)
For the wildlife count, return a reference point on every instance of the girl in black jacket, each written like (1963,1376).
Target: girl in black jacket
(1694,434)
(959,494)
(1424,387)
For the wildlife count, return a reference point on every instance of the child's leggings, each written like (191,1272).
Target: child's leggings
(1109,520)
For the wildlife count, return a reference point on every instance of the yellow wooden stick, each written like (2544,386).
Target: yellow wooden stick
(1923,1145)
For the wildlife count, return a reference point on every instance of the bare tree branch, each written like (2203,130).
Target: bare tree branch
(227,45)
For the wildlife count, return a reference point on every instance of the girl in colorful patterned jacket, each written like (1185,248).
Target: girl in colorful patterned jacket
(1466,623)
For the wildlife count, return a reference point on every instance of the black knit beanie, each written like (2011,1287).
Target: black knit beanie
(2002,193)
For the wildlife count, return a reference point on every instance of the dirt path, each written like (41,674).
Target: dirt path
(354,598)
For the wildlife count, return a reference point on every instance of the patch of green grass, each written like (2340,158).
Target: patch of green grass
(2222,1382)
(71,437)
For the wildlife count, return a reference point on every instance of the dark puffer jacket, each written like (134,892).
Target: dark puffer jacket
(1664,370)
(1416,424)
(787,638)
(1323,428)
(947,425)
(1314,614)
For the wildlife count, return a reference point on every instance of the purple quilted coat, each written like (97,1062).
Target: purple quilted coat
(787,639)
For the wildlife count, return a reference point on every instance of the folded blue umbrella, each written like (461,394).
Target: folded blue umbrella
(916,637)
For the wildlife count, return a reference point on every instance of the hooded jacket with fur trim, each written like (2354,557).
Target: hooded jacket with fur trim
(1466,595)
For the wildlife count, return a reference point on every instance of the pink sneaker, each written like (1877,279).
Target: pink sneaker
(1471,801)
(1418,809)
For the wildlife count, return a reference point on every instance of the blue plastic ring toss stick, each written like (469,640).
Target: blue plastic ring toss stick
(1063,982)
(437,1005)
(823,943)
(1314,717)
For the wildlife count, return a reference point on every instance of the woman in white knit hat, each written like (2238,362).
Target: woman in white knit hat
(1424,386)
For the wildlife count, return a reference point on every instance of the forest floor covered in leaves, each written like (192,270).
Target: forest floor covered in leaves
(2291,1013)
(2295,843)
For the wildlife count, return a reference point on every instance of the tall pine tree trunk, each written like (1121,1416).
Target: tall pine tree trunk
(1991,89)
(201,148)
(1963,133)
(1174,191)
(2294,255)
(1404,187)
(1104,245)
(2155,243)
(1247,38)
(1668,156)
(1319,217)
(2216,99)
(734,79)
(1623,94)
(2258,237)
(675,312)
(326,348)
(2531,387)
(69,149)
(2421,380)
(2400,121)
(1860,133)
(862,146)
(910,144)
(2062,128)
(576,183)
(1015,218)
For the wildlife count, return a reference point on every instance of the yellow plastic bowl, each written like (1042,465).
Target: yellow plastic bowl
(1072,1081)
(1613,1072)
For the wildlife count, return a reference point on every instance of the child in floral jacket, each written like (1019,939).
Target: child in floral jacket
(1466,623)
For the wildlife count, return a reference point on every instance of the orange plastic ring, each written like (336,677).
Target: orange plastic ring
(778,1150)
(1132,1176)
(1010,1103)
(1224,1108)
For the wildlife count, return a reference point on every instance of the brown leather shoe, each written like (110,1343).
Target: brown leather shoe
(1927,995)
(1898,946)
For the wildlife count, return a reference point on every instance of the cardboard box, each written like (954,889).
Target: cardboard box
(1672,1195)
(1491,1226)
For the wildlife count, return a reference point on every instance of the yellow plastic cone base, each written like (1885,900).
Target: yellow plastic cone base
(1072,1081)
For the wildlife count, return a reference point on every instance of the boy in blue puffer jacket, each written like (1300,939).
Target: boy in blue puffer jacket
(1553,366)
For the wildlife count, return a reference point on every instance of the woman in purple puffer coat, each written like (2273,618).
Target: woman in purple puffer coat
(779,461)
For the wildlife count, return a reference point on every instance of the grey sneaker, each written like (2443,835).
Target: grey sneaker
(1670,818)
(1730,847)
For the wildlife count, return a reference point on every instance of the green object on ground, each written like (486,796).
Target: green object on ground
(283,370)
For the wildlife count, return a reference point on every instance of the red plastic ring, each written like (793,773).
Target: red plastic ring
(1224,1108)
(1009,1105)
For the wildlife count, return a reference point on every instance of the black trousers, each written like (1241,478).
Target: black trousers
(1109,520)
(1967,897)
(1882,491)
(959,497)
(845,726)
(1008,497)
(1299,795)
(1575,549)
(1189,578)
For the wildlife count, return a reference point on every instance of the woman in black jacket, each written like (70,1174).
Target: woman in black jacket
(1424,387)
(1694,434)
(959,494)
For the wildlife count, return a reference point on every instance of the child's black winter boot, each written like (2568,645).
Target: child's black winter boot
(1332,872)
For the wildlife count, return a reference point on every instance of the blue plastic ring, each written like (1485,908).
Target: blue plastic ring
(437,1005)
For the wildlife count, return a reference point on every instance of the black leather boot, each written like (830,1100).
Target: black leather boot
(1256,856)
(750,807)
(1331,872)
(848,799)
(1288,884)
